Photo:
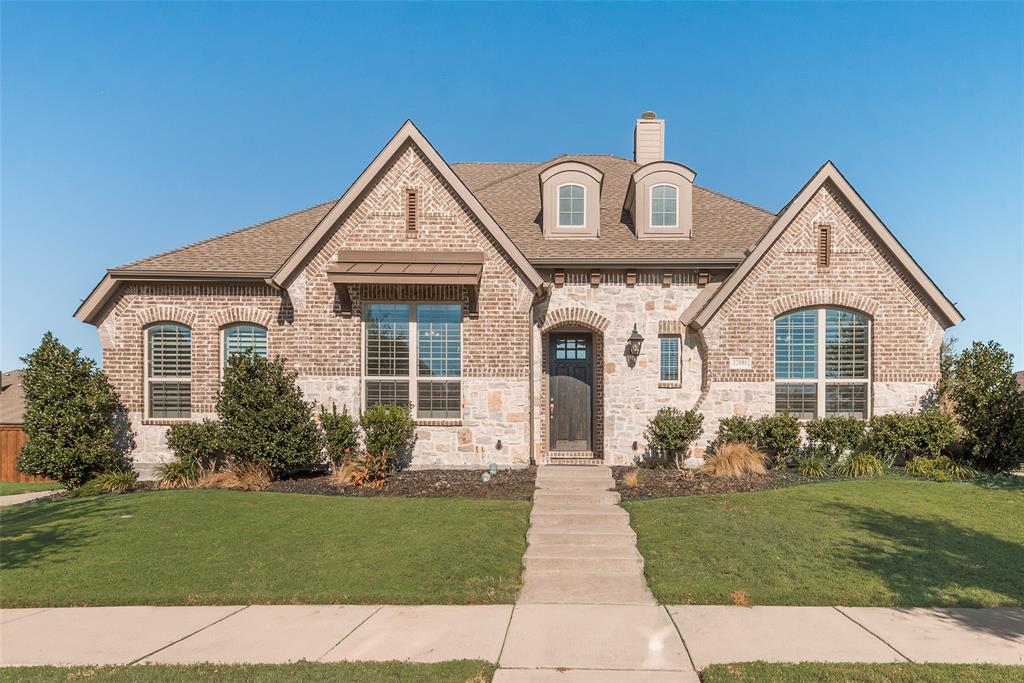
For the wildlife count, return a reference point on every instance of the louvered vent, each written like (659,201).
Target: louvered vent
(412,202)
(824,245)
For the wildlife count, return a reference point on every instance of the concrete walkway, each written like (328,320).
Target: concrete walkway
(18,498)
(533,642)
(581,548)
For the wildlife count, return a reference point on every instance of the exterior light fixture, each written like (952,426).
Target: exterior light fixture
(498,445)
(633,345)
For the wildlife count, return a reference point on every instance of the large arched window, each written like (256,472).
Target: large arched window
(822,363)
(169,371)
(664,211)
(242,337)
(571,203)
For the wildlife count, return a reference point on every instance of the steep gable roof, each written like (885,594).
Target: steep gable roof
(407,133)
(827,173)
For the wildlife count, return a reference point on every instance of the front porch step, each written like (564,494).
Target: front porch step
(610,538)
(582,520)
(548,497)
(573,472)
(596,559)
(575,587)
(576,484)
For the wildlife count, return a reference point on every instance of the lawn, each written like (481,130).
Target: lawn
(9,488)
(466,671)
(759,672)
(200,547)
(873,542)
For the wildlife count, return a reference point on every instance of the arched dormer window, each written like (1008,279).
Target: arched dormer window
(571,199)
(664,206)
(571,206)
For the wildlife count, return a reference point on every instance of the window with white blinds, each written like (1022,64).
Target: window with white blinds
(822,363)
(669,358)
(242,337)
(413,356)
(169,371)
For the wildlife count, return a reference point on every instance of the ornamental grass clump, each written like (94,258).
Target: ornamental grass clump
(812,465)
(940,468)
(735,460)
(238,475)
(860,465)
(117,481)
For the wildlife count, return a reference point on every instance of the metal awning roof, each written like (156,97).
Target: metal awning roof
(407,267)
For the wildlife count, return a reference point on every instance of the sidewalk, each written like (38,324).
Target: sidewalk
(531,642)
(19,498)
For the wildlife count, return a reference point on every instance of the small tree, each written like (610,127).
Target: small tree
(341,432)
(264,418)
(72,417)
(989,406)
(671,432)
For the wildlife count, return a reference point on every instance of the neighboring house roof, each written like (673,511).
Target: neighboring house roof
(828,173)
(1020,380)
(12,398)
(723,228)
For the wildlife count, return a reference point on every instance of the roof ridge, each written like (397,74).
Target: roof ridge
(225,234)
(739,201)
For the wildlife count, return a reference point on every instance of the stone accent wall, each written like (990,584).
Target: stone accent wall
(861,275)
(322,342)
(629,397)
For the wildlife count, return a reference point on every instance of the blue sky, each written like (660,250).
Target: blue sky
(129,129)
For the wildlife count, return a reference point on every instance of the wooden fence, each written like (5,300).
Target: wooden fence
(12,438)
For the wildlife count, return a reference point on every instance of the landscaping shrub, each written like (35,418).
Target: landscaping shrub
(341,433)
(933,432)
(735,460)
(264,418)
(779,437)
(940,468)
(74,421)
(389,431)
(738,429)
(671,432)
(115,481)
(989,407)
(860,465)
(833,437)
(199,444)
(366,469)
(892,436)
(920,466)
(238,475)
(178,474)
(812,465)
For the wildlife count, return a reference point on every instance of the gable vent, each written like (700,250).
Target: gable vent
(412,201)
(824,245)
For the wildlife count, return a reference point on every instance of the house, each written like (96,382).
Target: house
(12,420)
(502,302)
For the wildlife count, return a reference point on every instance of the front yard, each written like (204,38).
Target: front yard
(874,542)
(225,547)
(760,672)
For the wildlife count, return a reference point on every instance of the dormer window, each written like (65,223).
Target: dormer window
(571,205)
(664,199)
(571,200)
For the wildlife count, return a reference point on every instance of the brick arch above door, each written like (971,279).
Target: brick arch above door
(574,315)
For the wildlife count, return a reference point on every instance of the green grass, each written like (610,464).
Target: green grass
(760,672)
(464,671)
(876,542)
(226,547)
(9,488)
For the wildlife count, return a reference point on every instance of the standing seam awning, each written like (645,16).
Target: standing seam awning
(407,267)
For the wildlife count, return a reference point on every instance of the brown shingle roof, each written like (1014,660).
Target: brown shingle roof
(12,398)
(722,227)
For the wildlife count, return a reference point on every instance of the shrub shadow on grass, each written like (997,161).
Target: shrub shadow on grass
(929,561)
(52,529)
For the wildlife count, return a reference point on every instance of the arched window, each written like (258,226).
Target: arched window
(822,363)
(242,337)
(571,205)
(664,206)
(169,371)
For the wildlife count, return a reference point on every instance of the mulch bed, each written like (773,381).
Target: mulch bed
(505,485)
(670,482)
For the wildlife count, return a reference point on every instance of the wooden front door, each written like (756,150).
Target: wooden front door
(571,372)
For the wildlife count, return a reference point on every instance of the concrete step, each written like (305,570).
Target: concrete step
(596,559)
(570,510)
(583,522)
(614,537)
(570,472)
(563,675)
(575,497)
(576,484)
(573,587)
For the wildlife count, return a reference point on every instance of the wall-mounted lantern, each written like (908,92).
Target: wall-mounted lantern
(633,345)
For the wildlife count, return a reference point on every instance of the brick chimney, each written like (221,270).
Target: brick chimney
(649,138)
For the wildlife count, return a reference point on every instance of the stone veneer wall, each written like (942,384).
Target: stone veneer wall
(630,396)
(322,342)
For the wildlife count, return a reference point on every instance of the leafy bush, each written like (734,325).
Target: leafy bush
(75,424)
(179,474)
(198,444)
(389,431)
(860,465)
(989,406)
(341,432)
(264,418)
(671,432)
(735,460)
(933,433)
(812,465)
(115,481)
(737,429)
(835,436)
(892,436)
(779,437)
